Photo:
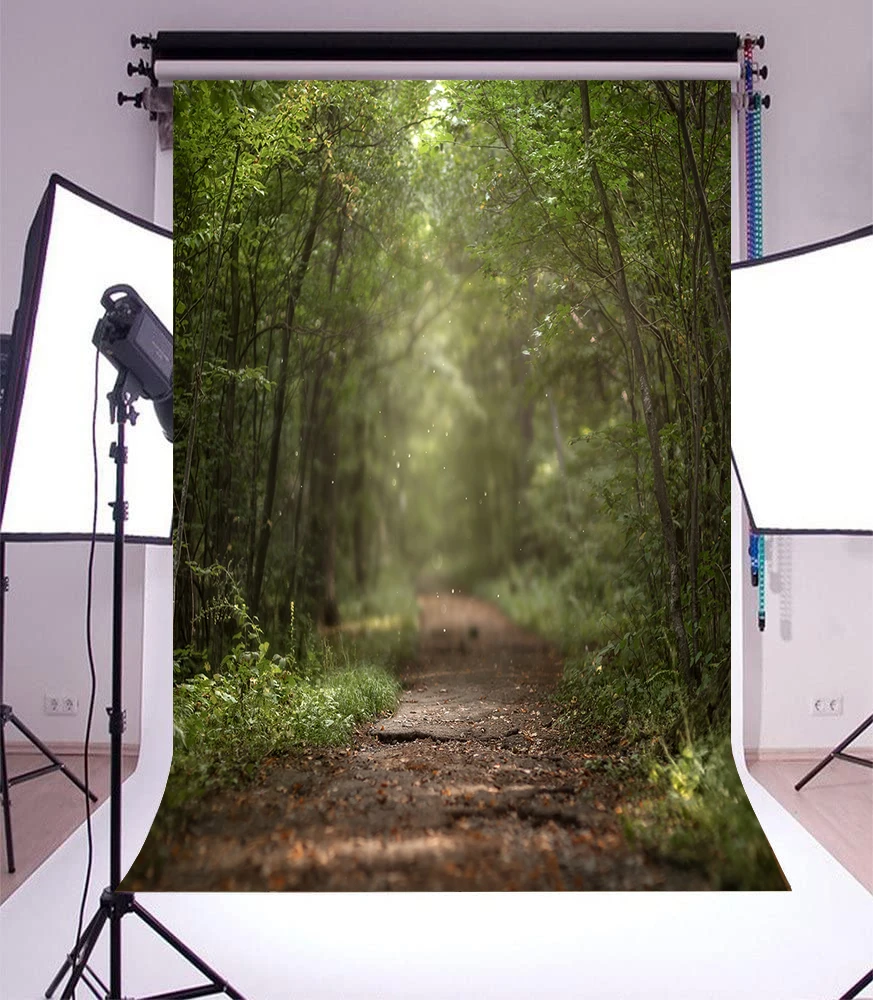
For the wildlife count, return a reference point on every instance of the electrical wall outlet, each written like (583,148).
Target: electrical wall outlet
(832,705)
(60,704)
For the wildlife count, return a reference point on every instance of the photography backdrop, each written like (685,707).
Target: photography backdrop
(817,182)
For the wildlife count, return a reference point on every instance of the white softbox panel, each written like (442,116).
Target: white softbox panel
(801,399)
(78,247)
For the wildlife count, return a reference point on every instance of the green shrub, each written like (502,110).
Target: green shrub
(255,706)
(700,818)
(547,603)
(229,723)
(627,692)
(381,624)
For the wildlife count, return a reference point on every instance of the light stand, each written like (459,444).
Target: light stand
(861,985)
(838,753)
(114,904)
(8,717)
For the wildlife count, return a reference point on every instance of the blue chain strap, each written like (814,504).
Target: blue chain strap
(762,611)
(754,250)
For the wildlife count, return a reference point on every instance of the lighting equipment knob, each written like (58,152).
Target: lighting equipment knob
(126,98)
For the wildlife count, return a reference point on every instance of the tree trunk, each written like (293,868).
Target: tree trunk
(666,515)
(318,584)
(281,393)
(358,499)
(330,606)
(227,415)
(559,438)
(209,292)
(718,288)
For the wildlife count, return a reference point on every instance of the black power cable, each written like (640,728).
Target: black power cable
(89,601)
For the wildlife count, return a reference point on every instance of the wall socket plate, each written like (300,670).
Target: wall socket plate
(60,704)
(832,705)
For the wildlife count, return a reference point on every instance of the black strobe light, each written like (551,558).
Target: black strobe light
(138,344)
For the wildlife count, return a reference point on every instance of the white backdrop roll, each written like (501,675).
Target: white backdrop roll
(192,69)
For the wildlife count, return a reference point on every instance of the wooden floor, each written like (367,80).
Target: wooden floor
(46,810)
(836,806)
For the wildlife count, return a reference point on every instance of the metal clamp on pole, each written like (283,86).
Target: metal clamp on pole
(749,102)
(756,41)
(157,100)
(117,721)
(135,99)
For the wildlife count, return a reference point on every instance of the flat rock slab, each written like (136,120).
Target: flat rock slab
(399,731)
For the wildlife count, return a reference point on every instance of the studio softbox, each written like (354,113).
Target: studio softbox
(801,404)
(77,247)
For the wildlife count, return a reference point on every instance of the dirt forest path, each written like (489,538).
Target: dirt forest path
(466,787)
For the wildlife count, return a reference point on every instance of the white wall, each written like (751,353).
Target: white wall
(818,642)
(818,162)
(60,67)
(46,651)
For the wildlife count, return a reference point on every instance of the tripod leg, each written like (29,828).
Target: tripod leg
(43,749)
(836,750)
(820,766)
(856,989)
(76,961)
(4,791)
(184,950)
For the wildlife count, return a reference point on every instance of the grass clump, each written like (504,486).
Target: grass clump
(255,706)
(546,603)
(692,810)
(229,723)
(700,818)
(380,624)
(612,697)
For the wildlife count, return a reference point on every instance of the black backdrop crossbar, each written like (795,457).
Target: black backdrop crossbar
(449,46)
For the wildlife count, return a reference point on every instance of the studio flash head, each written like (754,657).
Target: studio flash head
(138,344)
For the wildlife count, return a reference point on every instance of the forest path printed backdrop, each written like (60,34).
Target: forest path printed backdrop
(467,786)
(478,329)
